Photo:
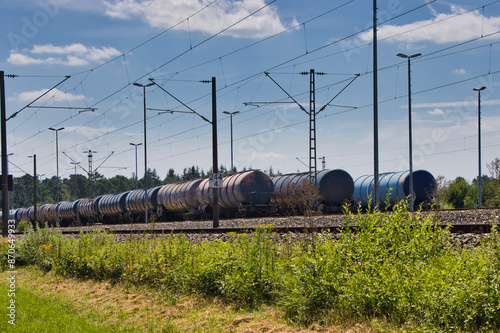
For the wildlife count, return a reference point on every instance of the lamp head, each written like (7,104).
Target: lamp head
(402,55)
(143,85)
(479,89)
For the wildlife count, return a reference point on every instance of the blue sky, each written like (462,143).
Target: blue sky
(106,46)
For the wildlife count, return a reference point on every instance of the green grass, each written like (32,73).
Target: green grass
(397,268)
(35,314)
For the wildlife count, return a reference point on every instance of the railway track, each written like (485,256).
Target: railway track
(468,221)
(476,228)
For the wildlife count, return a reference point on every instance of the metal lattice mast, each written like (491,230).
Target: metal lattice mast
(312,128)
(91,180)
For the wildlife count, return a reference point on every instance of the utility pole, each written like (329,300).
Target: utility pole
(479,203)
(312,116)
(57,164)
(215,204)
(91,181)
(135,146)
(5,176)
(75,163)
(312,127)
(410,140)
(375,111)
(35,179)
(144,86)
(214,154)
(231,114)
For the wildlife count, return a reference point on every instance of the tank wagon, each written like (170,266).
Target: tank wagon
(243,192)
(134,204)
(68,212)
(181,198)
(335,187)
(88,211)
(112,206)
(395,186)
(249,191)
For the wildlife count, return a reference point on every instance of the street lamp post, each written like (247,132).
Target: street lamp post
(409,125)
(75,163)
(145,151)
(231,114)
(35,179)
(479,140)
(57,163)
(135,146)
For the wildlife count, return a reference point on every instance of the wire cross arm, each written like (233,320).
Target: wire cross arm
(343,106)
(290,96)
(161,111)
(340,92)
(36,99)
(76,163)
(82,109)
(95,170)
(178,100)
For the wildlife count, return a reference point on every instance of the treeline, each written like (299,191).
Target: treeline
(78,186)
(459,193)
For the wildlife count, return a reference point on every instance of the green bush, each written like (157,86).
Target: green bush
(397,266)
(23,226)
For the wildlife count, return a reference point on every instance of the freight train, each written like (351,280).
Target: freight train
(243,193)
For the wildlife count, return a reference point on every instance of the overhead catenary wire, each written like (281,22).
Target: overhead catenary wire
(493,73)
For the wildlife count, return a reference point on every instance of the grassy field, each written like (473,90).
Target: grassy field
(398,273)
(50,303)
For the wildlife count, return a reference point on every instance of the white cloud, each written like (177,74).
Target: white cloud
(459,71)
(219,15)
(69,55)
(436,112)
(49,48)
(21,59)
(442,29)
(54,96)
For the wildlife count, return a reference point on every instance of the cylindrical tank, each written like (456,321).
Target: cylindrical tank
(153,201)
(68,209)
(180,197)
(240,189)
(31,213)
(396,185)
(334,186)
(50,213)
(24,214)
(88,209)
(112,204)
(135,201)
(42,216)
(13,213)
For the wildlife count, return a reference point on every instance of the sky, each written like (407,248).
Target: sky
(92,52)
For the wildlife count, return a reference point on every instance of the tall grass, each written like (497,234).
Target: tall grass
(397,266)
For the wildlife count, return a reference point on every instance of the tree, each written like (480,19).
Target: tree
(171,177)
(457,191)
(492,199)
(153,179)
(191,173)
(494,168)
(439,191)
